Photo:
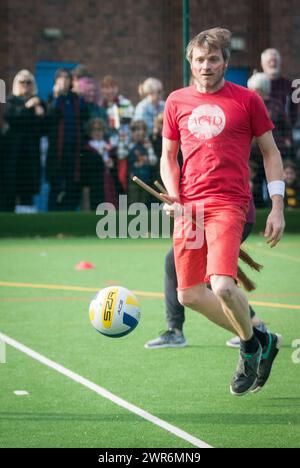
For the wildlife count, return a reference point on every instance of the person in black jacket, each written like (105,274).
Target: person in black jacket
(95,162)
(20,161)
(66,115)
(5,203)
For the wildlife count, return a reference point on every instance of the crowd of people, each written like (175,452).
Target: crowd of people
(88,140)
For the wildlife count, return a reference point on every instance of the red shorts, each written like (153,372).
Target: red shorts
(217,249)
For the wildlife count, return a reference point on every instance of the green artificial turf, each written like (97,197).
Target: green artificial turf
(187,387)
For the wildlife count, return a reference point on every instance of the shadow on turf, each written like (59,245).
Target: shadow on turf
(218,418)
(67,417)
(199,346)
(234,419)
(284,402)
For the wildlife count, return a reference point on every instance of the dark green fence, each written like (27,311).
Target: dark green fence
(84,224)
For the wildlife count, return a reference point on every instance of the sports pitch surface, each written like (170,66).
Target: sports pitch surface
(44,306)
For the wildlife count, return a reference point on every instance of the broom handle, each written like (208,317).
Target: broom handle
(160,187)
(160,197)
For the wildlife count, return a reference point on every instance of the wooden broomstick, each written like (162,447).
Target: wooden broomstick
(246,282)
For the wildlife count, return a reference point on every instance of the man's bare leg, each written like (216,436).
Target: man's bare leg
(201,299)
(235,304)
(228,307)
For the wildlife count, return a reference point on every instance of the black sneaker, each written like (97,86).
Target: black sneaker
(235,342)
(170,339)
(269,354)
(245,378)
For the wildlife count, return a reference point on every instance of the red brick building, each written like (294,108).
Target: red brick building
(136,39)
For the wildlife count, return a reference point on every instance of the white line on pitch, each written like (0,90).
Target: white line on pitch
(2,352)
(105,393)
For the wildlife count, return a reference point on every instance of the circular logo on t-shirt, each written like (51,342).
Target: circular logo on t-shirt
(206,121)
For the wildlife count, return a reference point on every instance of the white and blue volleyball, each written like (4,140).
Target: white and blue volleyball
(114,311)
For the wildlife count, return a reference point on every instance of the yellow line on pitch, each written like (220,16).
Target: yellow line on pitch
(46,286)
(71,288)
(157,295)
(274,305)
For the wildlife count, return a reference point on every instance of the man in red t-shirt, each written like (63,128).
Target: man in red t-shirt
(215,121)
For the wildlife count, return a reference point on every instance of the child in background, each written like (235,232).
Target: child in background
(123,146)
(156,140)
(292,187)
(120,112)
(97,164)
(141,160)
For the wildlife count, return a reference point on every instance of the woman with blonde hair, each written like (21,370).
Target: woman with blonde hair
(24,115)
(151,104)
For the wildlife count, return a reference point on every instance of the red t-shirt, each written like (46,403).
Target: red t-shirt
(215,133)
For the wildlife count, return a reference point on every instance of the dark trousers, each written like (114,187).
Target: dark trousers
(174,310)
(64,195)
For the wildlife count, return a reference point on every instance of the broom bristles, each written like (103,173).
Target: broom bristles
(245,257)
(246,282)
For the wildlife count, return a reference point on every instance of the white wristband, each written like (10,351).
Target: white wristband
(277,187)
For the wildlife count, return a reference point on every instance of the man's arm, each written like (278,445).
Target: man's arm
(274,172)
(169,168)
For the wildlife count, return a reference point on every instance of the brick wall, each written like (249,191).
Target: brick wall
(124,38)
(3,40)
(262,23)
(136,39)
(206,14)
(285,33)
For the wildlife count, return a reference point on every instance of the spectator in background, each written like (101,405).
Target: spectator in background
(96,163)
(151,104)
(282,132)
(156,140)
(24,117)
(256,182)
(119,109)
(120,113)
(292,186)
(297,160)
(260,83)
(79,72)
(89,90)
(65,120)
(122,150)
(5,202)
(141,160)
(281,88)
(156,137)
